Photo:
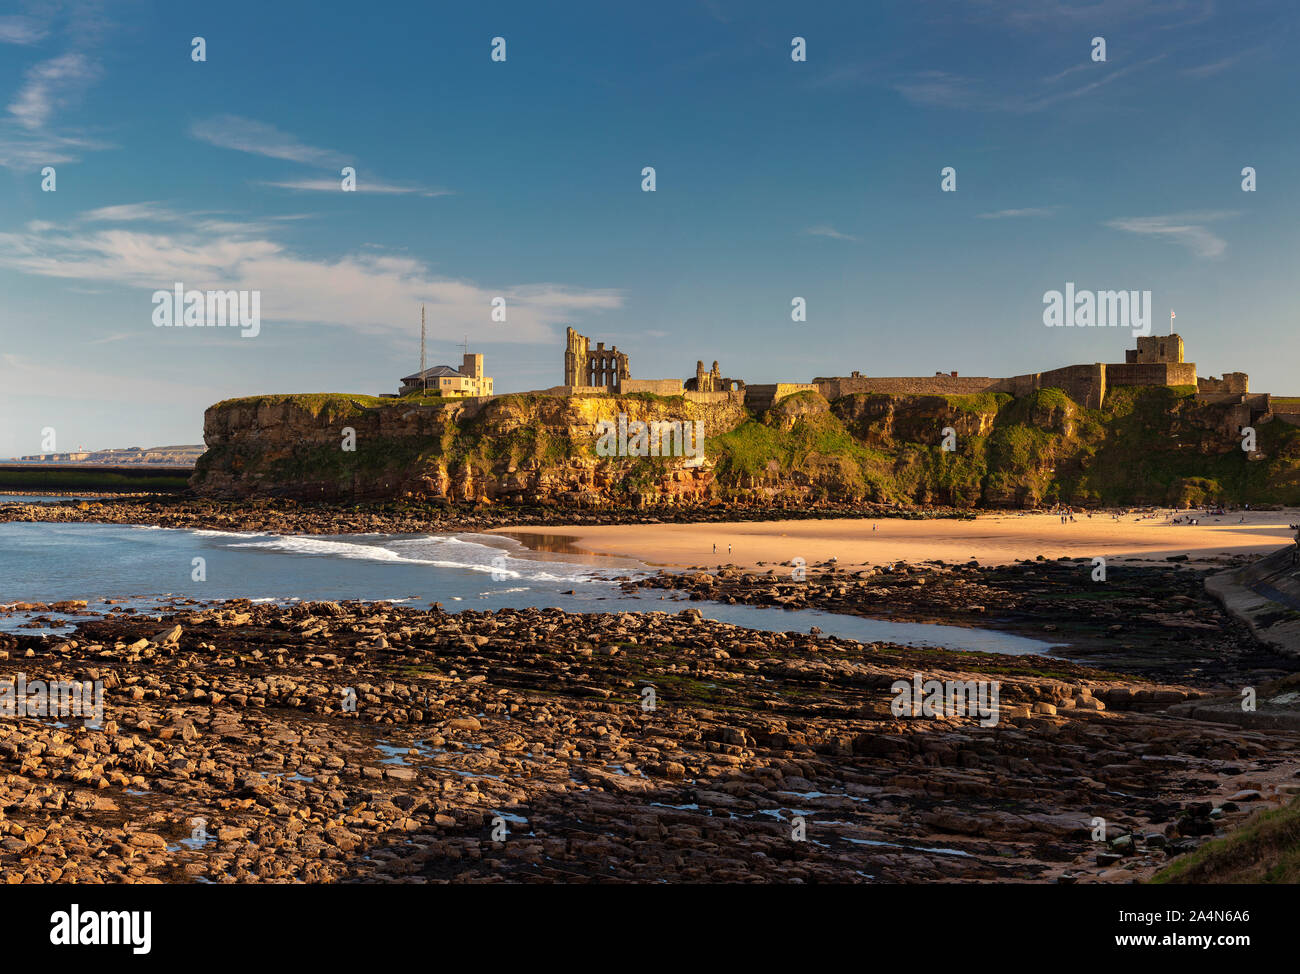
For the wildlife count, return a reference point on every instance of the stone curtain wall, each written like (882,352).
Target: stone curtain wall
(1153,374)
(1085,384)
(660,387)
(939,385)
(762,397)
(735,397)
(1233,382)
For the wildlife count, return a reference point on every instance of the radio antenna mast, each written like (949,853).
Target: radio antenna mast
(424,379)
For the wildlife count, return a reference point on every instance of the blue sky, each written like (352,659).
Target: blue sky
(522,179)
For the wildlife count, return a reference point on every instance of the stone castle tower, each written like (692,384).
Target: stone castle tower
(602,367)
(576,351)
(1156,350)
(710,381)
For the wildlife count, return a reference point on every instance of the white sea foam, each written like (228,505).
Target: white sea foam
(438,551)
(298,545)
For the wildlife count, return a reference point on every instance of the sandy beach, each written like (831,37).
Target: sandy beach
(990,539)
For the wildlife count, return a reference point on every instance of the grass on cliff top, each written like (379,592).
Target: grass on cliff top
(975,402)
(421,397)
(1264,850)
(345,402)
(338,403)
(315,401)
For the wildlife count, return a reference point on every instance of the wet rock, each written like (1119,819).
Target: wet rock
(520,714)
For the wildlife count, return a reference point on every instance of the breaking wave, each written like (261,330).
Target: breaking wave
(439,551)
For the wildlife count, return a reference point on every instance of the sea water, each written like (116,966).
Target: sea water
(51,562)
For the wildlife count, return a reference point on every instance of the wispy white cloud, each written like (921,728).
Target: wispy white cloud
(826,230)
(259,138)
(1208,70)
(1038,14)
(1186,229)
(28,138)
(368,292)
(26,150)
(49,85)
(363,185)
(1218,67)
(1028,211)
(121,336)
(210,222)
(126,212)
(714,9)
(20,30)
(939,89)
(1075,69)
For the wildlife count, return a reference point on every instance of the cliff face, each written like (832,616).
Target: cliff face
(528,449)
(1145,446)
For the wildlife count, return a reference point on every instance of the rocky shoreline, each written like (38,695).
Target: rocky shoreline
(517,745)
(1154,620)
(366,742)
(292,517)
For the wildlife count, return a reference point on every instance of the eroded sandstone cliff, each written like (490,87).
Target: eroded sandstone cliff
(524,448)
(1145,446)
